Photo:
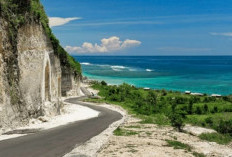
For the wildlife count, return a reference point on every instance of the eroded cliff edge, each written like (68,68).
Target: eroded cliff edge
(35,71)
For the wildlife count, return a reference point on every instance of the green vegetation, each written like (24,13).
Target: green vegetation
(179,145)
(133,126)
(20,12)
(65,59)
(198,154)
(177,117)
(13,11)
(170,108)
(17,13)
(123,132)
(216,137)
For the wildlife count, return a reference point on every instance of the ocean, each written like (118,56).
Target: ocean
(202,74)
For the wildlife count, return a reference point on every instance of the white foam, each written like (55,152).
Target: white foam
(149,70)
(118,67)
(85,63)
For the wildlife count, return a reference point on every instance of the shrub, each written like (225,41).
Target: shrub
(177,118)
(206,108)
(103,83)
(215,109)
(152,98)
(225,127)
(198,110)
(209,121)
(190,107)
(180,100)
(164,92)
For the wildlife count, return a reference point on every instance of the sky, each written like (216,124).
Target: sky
(142,27)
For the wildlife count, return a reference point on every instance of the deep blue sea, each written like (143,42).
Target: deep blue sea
(204,74)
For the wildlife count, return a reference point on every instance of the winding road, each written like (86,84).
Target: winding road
(61,140)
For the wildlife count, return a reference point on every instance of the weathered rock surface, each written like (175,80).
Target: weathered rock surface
(32,79)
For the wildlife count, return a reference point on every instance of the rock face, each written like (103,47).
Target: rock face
(33,82)
(70,84)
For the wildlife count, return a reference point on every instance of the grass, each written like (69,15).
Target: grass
(169,108)
(216,137)
(200,120)
(122,132)
(133,126)
(179,145)
(159,119)
(198,154)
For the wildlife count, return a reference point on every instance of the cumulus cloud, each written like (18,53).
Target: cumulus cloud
(59,21)
(107,45)
(228,34)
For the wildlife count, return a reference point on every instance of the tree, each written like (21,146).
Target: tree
(164,92)
(152,98)
(177,117)
(215,109)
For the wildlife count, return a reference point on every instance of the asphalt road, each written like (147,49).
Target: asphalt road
(59,141)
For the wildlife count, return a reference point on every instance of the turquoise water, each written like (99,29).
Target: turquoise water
(211,75)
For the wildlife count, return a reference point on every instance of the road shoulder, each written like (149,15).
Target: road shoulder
(97,143)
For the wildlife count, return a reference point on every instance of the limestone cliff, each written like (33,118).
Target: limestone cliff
(35,71)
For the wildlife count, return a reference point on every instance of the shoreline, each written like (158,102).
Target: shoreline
(194,93)
(199,75)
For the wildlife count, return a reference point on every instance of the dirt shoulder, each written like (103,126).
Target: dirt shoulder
(150,140)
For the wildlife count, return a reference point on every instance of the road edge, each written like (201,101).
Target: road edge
(97,143)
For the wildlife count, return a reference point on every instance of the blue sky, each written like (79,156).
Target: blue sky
(143,27)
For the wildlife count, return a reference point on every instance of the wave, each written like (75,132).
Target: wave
(85,63)
(149,70)
(118,67)
(113,67)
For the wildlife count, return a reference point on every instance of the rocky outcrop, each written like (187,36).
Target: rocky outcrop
(40,70)
(32,78)
(70,83)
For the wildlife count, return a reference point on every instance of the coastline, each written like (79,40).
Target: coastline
(88,80)
(197,74)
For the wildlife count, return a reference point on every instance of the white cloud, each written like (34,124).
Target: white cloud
(107,45)
(58,21)
(228,34)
